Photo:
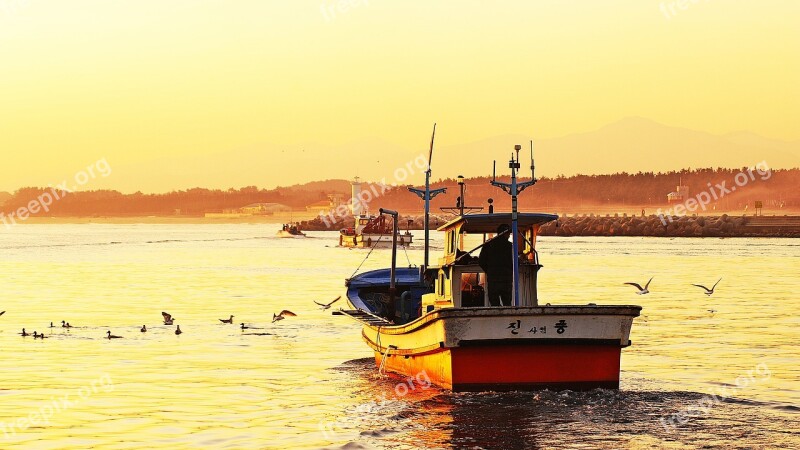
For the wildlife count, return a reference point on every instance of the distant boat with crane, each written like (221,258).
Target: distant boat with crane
(437,319)
(370,231)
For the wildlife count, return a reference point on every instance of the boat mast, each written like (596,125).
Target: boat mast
(461,203)
(427,195)
(392,288)
(514,189)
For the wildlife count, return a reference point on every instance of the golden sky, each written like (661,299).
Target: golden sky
(165,88)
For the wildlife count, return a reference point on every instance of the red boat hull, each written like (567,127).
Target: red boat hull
(522,366)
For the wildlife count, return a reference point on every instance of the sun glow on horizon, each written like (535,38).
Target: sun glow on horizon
(218,94)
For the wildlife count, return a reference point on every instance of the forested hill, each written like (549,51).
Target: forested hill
(780,189)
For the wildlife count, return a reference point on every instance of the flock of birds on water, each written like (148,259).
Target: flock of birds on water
(169,320)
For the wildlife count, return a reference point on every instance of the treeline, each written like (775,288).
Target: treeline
(195,201)
(778,189)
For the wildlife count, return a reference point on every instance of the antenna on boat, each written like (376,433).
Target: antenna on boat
(461,208)
(533,167)
(427,195)
(514,189)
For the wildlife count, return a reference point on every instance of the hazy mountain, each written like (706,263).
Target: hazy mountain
(630,145)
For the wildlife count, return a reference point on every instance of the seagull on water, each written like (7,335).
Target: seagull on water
(178,330)
(324,306)
(285,312)
(167,318)
(64,324)
(642,290)
(111,336)
(38,336)
(51,325)
(708,291)
(144,329)
(245,327)
(227,320)
(24,333)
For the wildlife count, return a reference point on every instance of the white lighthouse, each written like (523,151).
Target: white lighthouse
(355,199)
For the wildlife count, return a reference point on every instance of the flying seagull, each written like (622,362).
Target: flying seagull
(326,306)
(644,290)
(227,320)
(167,318)
(111,336)
(285,312)
(2,312)
(708,291)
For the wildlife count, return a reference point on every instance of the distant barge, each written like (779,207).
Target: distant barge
(370,231)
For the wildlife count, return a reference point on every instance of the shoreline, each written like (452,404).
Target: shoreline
(624,225)
(577,225)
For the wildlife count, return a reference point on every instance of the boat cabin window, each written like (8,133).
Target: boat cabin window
(451,242)
(473,288)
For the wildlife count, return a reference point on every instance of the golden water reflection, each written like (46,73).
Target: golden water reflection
(281,385)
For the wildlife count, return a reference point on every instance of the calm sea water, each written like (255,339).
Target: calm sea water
(703,372)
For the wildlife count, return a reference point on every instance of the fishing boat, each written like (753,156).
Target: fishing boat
(373,231)
(438,320)
(291,230)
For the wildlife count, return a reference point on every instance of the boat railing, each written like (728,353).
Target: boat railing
(363,316)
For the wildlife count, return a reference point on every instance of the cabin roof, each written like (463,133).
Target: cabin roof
(488,223)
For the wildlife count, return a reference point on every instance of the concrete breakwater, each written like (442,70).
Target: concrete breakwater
(616,225)
(685,226)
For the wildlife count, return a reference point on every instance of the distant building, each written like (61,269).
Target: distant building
(319,207)
(325,206)
(263,209)
(680,195)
